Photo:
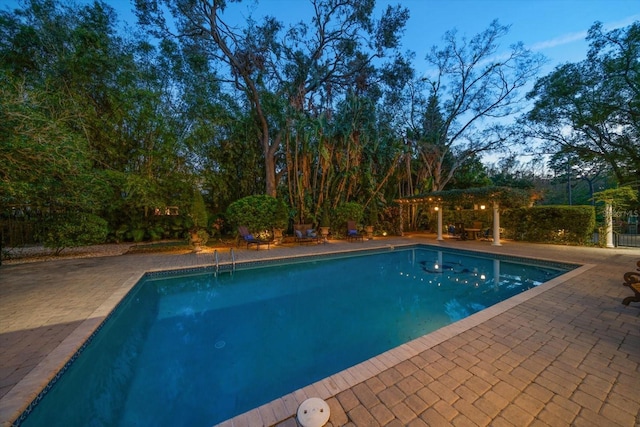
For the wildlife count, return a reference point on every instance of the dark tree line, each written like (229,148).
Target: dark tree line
(122,123)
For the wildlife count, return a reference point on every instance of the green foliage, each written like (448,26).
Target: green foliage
(510,172)
(470,174)
(618,197)
(138,234)
(92,120)
(88,120)
(465,216)
(200,237)
(152,228)
(373,214)
(258,213)
(44,161)
(276,72)
(450,131)
(350,211)
(467,198)
(325,219)
(199,214)
(550,224)
(74,229)
(203,236)
(589,108)
(391,220)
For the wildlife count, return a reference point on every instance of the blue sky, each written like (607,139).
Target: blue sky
(555,28)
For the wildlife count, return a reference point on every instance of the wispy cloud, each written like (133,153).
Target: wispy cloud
(581,35)
(559,41)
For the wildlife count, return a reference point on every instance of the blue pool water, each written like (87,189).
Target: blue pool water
(195,350)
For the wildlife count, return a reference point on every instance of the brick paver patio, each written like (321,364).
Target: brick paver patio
(564,354)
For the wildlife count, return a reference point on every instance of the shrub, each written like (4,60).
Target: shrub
(199,212)
(373,214)
(550,224)
(200,237)
(258,213)
(73,230)
(325,218)
(391,220)
(138,234)
(350,211)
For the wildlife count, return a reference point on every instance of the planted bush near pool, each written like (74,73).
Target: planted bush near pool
(258,213)
(74,229)
(350,211)
(550,224)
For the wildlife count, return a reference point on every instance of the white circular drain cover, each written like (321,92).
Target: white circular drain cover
(313,412)
(220,344)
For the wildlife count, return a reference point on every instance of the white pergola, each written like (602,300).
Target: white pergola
(492,196)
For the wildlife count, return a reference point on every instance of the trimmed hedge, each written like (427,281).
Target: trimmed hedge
(74,229)
(550,224)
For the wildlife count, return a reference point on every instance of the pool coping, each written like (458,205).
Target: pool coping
(32,388)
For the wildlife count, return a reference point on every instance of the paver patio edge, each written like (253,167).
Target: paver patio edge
(14,401)
(414,347)
(594,293)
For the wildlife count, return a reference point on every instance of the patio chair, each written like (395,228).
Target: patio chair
(486,234)
(250,240)
(352,232)
(460,232)
(632,280)
(304,233)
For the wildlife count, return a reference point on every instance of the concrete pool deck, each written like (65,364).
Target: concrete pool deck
(565,353)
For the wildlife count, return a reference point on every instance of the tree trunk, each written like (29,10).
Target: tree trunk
(269,150)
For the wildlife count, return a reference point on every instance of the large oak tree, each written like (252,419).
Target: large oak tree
(278,70)
(591,108)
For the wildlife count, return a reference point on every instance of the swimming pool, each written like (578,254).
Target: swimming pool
(196,349)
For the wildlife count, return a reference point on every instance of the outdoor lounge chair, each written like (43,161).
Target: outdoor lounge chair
(632,280)
(352,232)
(250,240)
(304,233)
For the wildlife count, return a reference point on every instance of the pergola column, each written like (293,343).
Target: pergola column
(608,220)
(496,225)
(439,210)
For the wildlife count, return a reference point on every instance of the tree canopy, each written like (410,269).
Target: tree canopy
(100,119)
(282,73)
(471,90)
(590,108)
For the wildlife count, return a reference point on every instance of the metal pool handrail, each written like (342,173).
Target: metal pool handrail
(233,260)
(216,259)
